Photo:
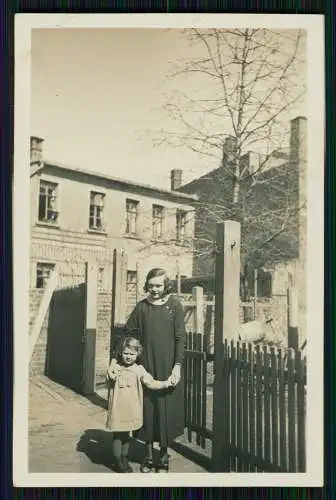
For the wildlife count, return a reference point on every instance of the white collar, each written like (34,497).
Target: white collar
(158,302)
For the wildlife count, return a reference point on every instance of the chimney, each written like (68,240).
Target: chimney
(298,139)
(251,161)
(175,179)
(36,151)
(229,150)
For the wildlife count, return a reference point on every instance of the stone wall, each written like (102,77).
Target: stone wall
(38,361)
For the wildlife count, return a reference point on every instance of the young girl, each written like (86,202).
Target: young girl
(125,405)
(158,321)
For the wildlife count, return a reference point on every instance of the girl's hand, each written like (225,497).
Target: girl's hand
(112,373)
(170,382)
(175,376)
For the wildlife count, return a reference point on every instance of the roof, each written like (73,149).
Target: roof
(122,183)
(196,184)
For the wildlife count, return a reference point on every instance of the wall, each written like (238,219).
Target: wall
(278,195)
(103,335)
(104,323)
(72,241)
(73,205)
(264,208)
(280,284)
(38,361)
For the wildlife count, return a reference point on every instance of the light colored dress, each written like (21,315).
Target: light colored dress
(125,402)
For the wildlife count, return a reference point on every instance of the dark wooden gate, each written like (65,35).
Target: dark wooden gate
(198,397)
(66,330)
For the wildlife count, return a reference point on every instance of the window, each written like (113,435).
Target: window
(131,277)
(96,210)
(131,216)
(158,216)
(181,222)
(47,211)
(43,271)
(131,285)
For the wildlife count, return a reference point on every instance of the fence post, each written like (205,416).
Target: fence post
(227,303)
(293,315)
(255,292)
(197,294)
(138,283)
(90,329)
(178,277)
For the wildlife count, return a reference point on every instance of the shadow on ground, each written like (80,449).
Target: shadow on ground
(97,400)
(97,446)
(194,456)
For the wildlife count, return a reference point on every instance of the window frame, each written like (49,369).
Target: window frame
(45,266)
(181,236)
(132,213)
(158,221)
(47,185)
(95,226)
(134,274)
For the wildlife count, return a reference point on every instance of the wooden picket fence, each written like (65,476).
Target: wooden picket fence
(195,398)
(264,401)
(264,398)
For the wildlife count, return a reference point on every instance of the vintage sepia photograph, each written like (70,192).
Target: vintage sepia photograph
(173,280)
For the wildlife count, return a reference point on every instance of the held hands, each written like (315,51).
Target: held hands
(112,373)
(175,376)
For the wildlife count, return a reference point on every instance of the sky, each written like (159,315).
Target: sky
(97,96)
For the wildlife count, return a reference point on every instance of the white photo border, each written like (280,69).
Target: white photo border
(314,24)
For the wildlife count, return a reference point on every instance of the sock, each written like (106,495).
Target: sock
(116,448)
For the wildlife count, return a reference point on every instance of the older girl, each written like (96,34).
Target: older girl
(158,321)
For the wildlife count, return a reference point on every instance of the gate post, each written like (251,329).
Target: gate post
(197,294)
(227,302)
(293,314)
(119,287)
(119,276)
(89,360)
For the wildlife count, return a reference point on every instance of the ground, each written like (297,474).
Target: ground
(66,434)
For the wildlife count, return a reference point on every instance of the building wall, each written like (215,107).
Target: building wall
(103,335)
(38,361)
(280,283)
(265,205)
(70,244)
(72,241)
(74,200)
(103,332)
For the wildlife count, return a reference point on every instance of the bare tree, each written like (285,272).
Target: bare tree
(244,83)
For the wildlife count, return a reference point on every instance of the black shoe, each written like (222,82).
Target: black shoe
(119,465)
(163,465)
(147,465)
(126,464)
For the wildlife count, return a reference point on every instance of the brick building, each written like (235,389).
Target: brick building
(277,194)
(79,215)
(279,190)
